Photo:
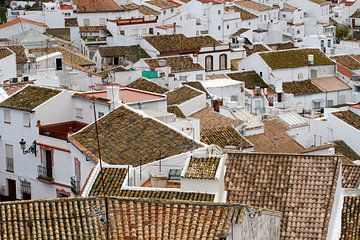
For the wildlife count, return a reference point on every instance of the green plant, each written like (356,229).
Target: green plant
(342,32)
(3,15)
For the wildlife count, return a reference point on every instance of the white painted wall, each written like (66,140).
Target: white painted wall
(8,67)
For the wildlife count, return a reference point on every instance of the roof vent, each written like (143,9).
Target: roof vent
(162,63)
(310,59)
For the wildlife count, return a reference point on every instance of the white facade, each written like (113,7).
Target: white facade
(8,67)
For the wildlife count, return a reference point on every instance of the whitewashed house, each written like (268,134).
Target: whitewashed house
(20,25)
(36,155)
(7,64)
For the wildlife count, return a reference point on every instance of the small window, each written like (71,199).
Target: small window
(79,112)
(86,22)
(330,103)
(223,61)
(260,73)
(58,62)
(26,119)
(227,26)
(300,76)
(164,12)
(219,28)
(208,63)
(102,21)
(234,98)
(7,116)
(219,12)
(151,31)
(122,32)
(100,114)
(199,77)
(9,157)
(172,10)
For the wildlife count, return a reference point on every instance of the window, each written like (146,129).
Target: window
(86,22)
(172,10)
(26,119)
(7,116)
(234,98)
(300,76)
(79,112)
(9,157)
(199,77)
(316,105)
(61,193)
(227,26)
(100,114)
(116,61)
(330,103)
(164,12)
(102,21)
(25,189)
(219,28)
(329,43)
(122,32)
(58,63)
(219,12)
(322,43)
(183,78)
(223,61)
(260,73)
(151,31)
(208,63)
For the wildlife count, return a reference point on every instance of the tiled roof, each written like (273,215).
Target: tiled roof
(11,88)
(349,117)
(4,52)
(133,53)
(147,85)
(198,85)
(29,98)
(70,58)
(91,29)
(108,182)
(274,139)
(254,5)
(22,20)
(250,78)
(350,219)
(62,33)
(301,88)
(282,46)
(342,148)
(19,50)
(71,22)
(105,73)
(202,168)
(148,11)
(210,119)
(224,137)
(177,63)
(301,187)
(244,15)
(356,14)
(61,130)
(255,48)
(240,31)
(320,2)
(295,58)
(182,94)
(162,4)
(350,176)
(128,218)
(176,110)
(347,61)
(165,43)
(94,6)
(129,137)
(330,84)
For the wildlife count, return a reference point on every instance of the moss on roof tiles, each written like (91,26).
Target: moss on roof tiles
(295,58)
(301,88)
(250,78)
(342,148)
(202,168)
(29,98)
(350,219)
(349,117)
(182,95)
(176,110)
(4,52)
(147,85)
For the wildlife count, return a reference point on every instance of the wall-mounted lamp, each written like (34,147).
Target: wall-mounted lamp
(31,149)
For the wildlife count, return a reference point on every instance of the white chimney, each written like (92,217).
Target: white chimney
(310,59)
(278,86)
(113,93)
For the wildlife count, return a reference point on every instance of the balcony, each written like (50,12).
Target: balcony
(75,185)
(9,164)
(45,173)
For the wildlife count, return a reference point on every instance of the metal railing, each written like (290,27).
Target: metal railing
(75,185)
(25,186)
(44,173)
(10,164)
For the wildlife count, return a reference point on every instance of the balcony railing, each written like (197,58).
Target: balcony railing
(75,185)
(10,164)
(45,174)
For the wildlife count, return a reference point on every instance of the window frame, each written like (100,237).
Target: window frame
(223,62)
(7,117)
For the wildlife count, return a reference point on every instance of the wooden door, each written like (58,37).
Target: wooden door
(12,189)
(48,155)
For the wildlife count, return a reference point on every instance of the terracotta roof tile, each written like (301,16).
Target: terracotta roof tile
(182,94)
(225,137)
(202,168)
(128,137)
(210,119)
(342,148)
(147,85)
(4,52)
(128,218)
(330,84)
(356,14)
(301,187)
(255,48)
(244,15)
(320,2)
(250,78)
(165,43)
(349,117)
(351,176)
(295,58)
(133,53)
(162,4)
(198,85)
(176,110)
(62,33)
(91,29)
(177,63)
(22,20)
(108,182)
(93,6)
(148,11)
(11,88)
(298,88)
(274,139)
(105,73)
(350,219)
(29,98)
(71,22)
(254,5)
(282,46)
(20,52)
(347,61)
